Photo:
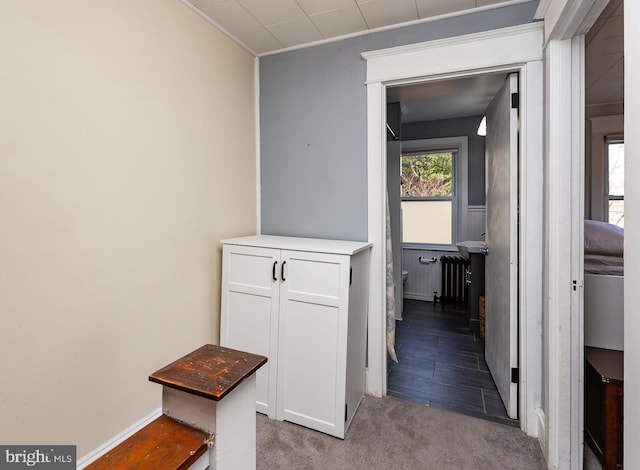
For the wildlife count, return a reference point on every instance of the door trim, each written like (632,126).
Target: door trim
(521,51)
(565,23)
(564,219)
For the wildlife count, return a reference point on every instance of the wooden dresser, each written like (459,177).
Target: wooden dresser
(603,404)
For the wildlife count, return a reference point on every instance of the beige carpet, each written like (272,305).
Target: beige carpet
(388,433)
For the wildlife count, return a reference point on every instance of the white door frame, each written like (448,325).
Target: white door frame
(520,49)
(565,238)
(632,228)
(565,24)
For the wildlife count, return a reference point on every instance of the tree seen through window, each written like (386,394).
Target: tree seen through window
(427,175)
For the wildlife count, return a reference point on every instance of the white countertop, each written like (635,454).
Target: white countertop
(317,245)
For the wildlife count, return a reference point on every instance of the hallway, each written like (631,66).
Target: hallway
(441,364)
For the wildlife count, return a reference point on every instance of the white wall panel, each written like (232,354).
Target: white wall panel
(424,279)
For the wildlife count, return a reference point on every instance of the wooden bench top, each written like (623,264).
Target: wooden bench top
(164,443)
(210,371)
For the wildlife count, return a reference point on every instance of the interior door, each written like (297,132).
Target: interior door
(501,267)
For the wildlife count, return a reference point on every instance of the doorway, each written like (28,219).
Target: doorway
(436,184)
(458,57)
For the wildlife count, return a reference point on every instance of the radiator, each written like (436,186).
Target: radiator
(454,288)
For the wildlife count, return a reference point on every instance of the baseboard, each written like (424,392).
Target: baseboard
(107,446)
(542,433)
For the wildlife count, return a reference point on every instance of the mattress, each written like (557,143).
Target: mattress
(603,264)
(603,285)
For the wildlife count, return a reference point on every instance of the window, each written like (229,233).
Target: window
(615,182)
(433,190)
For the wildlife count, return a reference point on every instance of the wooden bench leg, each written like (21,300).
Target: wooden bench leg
(236,429)
(232,420)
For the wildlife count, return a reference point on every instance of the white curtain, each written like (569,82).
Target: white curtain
(391,294)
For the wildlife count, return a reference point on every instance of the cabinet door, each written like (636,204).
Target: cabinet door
(312,340)
(249,315)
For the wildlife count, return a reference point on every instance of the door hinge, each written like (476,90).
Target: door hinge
(515,375)
(515,100)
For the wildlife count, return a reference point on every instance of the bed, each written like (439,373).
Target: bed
(603,285)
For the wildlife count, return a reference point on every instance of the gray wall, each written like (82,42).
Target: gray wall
(453,128)
(313,126)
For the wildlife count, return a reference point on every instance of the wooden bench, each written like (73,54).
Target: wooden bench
(208,392)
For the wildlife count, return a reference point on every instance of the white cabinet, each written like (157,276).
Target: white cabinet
(302,303)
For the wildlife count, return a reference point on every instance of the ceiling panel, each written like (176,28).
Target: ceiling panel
(604,57)
(294,32)
(427,8)
(608,87)
(273,11)
(339,22)
(313,7)
(228,14)
(379,13)
(483,3)
(260,40)
(613,8)
(599,66)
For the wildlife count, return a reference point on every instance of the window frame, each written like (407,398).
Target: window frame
(608,140)
(597,171)
(460,201)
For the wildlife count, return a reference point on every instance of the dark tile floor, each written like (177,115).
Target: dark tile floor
(441,364)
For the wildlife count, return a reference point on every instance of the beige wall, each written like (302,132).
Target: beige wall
(127,151)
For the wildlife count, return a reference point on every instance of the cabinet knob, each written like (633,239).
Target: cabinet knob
(282,271)
(273,271)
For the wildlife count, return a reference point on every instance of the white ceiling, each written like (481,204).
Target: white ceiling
(604,57)
(446,99)
(266,26)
